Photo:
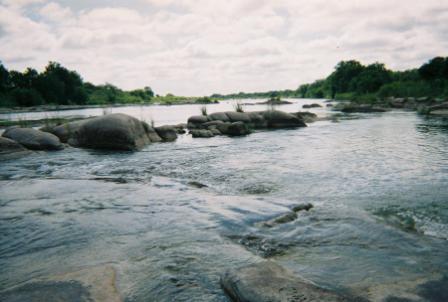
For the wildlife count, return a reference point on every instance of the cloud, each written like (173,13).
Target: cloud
(195,47)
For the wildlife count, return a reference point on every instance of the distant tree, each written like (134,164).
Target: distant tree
(370,79)
(4,78)
(345,72)
(436,68)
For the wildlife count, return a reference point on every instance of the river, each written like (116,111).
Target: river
(171,218)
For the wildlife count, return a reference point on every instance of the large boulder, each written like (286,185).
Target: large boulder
(361,108)
(280,119)
(65,131)
(10,149)
(238,116)
(201,133)
(33,139)
(313,105)
(439,109)
(115,132)
(167,133)
(219,116)
(269,282)
(237,129)
(196,121)
(306,116)
(257,120)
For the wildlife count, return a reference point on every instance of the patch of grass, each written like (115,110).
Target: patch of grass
(238,107)
(204,110)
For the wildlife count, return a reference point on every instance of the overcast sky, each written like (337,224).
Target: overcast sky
(197,47)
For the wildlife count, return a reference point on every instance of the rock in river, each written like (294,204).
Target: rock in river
(280,119)
(269,282)
(237,129)
(33,139)
(115,132)
(167,133)
(10,149)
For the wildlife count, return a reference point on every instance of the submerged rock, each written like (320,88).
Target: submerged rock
(10,149)
(361,108)
(167,133)
(114,132)
(306,116)
(33,139)
(95,284)
(269,282)
(302,207)
(285,218)
(201,133)
(313,105)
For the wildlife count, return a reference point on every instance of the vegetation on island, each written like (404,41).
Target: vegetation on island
(57,85)
(352,80)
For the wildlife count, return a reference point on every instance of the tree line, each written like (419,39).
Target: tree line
(353,80)
(57,85)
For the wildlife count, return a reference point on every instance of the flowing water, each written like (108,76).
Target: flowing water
(171,218)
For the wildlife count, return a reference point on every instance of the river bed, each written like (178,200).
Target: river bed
(171,218)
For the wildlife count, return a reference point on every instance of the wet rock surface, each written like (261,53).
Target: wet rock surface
(33,139)
(241,123)
(96,284)
(167,133)
(70,291)
(269,282)
(114,132)
(10,149)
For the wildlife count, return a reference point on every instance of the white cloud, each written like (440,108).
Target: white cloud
(194,47)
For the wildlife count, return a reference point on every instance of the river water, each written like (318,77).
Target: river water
(378,183)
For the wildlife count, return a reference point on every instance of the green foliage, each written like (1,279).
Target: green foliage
(59,86)
(437,68)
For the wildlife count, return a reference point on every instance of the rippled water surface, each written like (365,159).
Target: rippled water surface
(379,226)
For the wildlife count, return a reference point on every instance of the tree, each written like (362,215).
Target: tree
(344,72)
(436,68)
(371,79)
(4,78)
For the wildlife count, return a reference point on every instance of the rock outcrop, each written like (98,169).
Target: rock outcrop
(10,149)
(33,139)
(313,105)
(167,133)
(114,132)
(242,123)
(269,282)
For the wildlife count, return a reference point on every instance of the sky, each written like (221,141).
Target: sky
(200,47)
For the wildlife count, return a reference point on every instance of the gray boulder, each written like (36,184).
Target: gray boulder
(362,108)
(65,131)
(10,149)
(237,129)
(196,121)
(223,127)
(114,132)
(306,116)
(238,116)
(201,133)
(280,119)
(257,120)
(33,139)
(166,133)
(313,105)
(269,282)
(219,116)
